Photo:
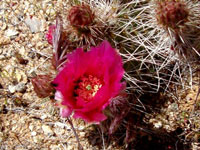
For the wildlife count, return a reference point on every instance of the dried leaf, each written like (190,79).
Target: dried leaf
(60,43)
(42,85)
(119,108)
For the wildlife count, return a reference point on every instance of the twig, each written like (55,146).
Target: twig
(76,135)
(102,135)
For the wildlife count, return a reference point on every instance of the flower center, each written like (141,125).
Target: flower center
(87,87)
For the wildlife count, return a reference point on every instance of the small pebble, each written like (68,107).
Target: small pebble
(31,127)
(33,133)
(4,40)
(43,117)
(11,32)
(11,88)
(36,139)
(47,130)
(21,87)
(33,23)
(158,124)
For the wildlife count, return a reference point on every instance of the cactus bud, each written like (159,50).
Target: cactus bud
(80,16)
(171,13)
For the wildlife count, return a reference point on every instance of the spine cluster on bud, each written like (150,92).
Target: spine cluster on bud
(171,13)
(80,16)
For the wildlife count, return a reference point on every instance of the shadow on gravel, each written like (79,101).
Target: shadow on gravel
(135,134)
(142,140)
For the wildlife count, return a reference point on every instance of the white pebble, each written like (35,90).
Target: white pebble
(47,130)
(33,133)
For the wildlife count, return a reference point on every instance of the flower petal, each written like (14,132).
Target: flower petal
(90,117)
(65,112)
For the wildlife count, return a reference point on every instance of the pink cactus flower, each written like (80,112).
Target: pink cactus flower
(49,35)
(88,81)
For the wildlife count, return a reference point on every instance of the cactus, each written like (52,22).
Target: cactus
(158,41)
(172,26)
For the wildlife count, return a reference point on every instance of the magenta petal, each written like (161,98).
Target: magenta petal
(91,117)
(49,35)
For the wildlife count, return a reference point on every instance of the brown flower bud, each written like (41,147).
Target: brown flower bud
(171,13)
(80,16)
(42,85)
